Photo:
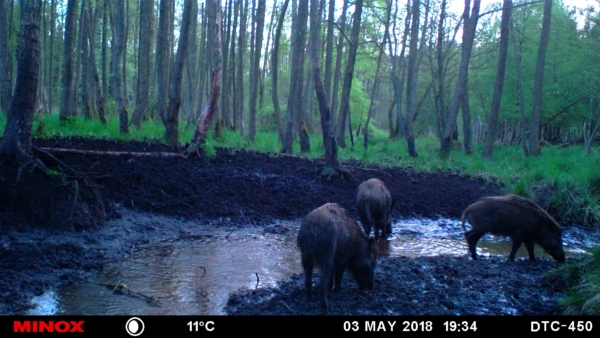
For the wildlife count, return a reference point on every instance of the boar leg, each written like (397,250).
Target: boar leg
(325,277)
(307,264)
(339,272)
(529,246)
(515,246)
(472,239)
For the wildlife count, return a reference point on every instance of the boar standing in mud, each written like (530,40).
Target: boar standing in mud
(375,204)
(516,217)
(332,241)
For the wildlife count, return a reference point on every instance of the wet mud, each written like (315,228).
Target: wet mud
(41,248)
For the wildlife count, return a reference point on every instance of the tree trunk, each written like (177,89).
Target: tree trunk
(5,62)
(295,104)
(100,98)
(338,66)
(162,59)
(275,70)
(349,73)
(534,136)
(254,77)
(329,48)
(68,83)
(209,110)
(490,138)
(16,141)
(398,77)
(470,23)
(172,118)
(239,102)
(376,80)
(105,49)
(88,110)
(410,80)
(145,48)
(118,11)
(331,160)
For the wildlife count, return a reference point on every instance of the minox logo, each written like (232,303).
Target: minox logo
(62,326)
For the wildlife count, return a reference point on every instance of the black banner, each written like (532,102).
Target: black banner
(145,326)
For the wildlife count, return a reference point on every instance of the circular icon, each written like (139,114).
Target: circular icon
(134,326)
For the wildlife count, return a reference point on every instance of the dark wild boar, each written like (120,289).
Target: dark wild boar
(375,204)
(332,241)
(516,217)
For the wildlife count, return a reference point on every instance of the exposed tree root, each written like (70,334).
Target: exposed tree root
(329,173)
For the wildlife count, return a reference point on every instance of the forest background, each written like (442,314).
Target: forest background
(506,90)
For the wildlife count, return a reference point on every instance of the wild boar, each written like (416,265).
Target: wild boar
(516,217)
(332,241)
(375,204)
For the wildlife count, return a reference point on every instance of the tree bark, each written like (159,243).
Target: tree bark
(349,74)
(470,23)
(329,48)
(5,61)
(397,75)
(275,70)
(534,136)
(68,82)
(490,138)
(145,48)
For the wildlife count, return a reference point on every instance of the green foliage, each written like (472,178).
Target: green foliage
(582,280)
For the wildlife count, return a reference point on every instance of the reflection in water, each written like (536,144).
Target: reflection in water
(196,276)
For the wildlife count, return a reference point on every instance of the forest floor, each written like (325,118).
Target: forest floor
(40,249)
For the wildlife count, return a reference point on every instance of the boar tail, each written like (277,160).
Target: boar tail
(464,216)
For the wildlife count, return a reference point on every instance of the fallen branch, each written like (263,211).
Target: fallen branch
(113,153)
(123,289)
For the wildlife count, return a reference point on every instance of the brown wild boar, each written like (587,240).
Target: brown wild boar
(332,241)
(375,204)
(516,217)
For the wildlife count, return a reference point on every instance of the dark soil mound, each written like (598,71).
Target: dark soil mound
(231,187)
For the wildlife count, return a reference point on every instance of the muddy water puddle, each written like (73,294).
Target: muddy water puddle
(193,275)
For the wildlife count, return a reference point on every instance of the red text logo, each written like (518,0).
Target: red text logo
(47,326)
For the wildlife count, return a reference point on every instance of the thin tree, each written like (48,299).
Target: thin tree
(332,167)
(397,75)
(411,90)
(145,48)
(118,46)
(205,118)
(295,104)
(5,61)
(534,136)
(162,59)
(68,82)
(490,138)
(349,74)
(338,65)
(469,25)
(376,80)
(254,77)
(239,88)
(171,120)
(275,70)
